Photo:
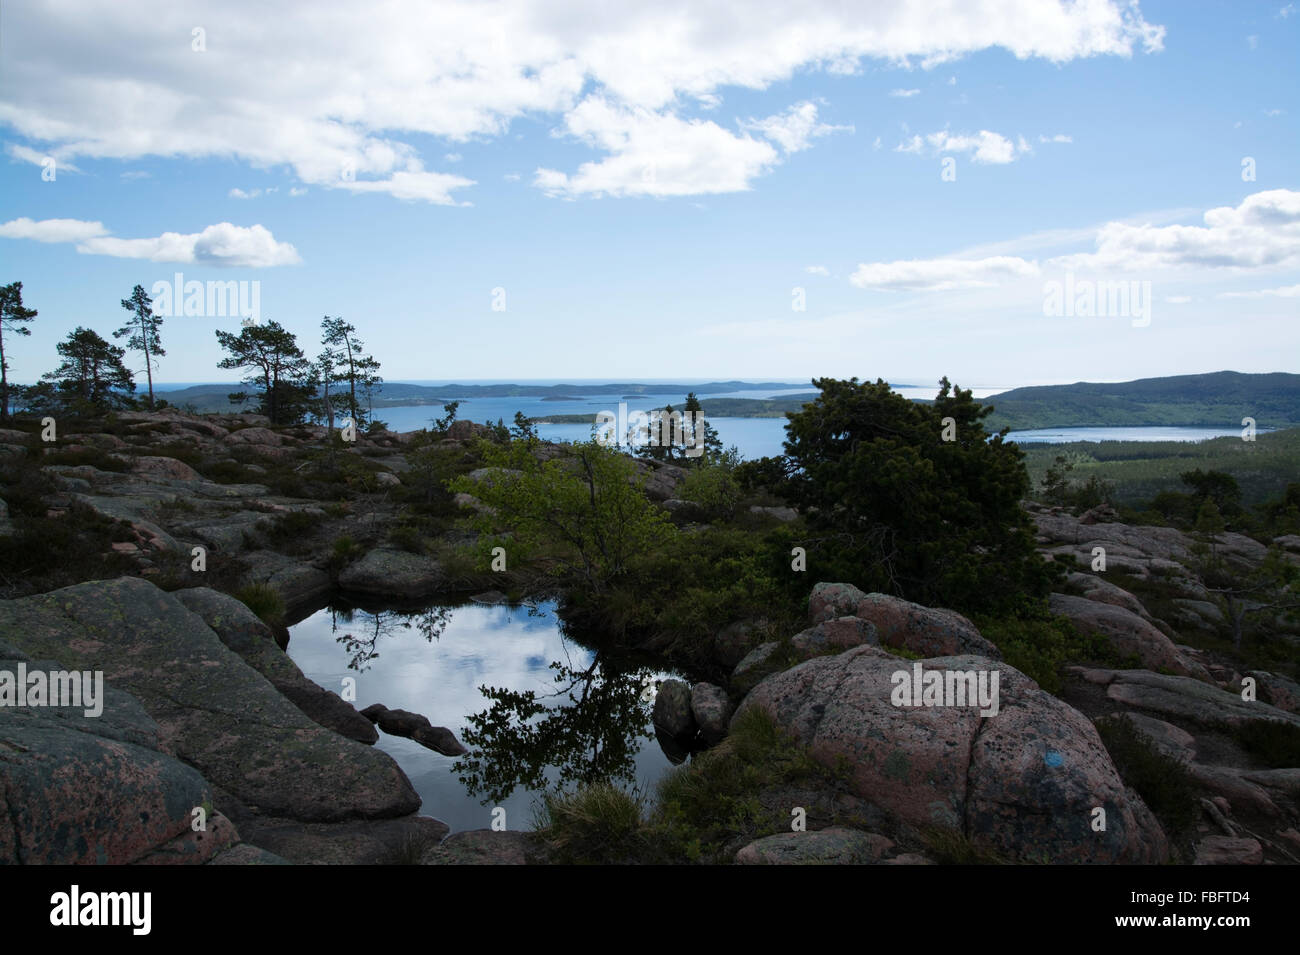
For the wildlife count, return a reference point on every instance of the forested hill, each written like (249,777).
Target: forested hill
(1220,399)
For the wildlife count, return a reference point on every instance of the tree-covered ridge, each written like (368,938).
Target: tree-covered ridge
(1220,399)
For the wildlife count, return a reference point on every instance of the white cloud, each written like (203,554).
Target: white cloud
(1058,138)
(222,244)
(1274,112)
(817,270)
(1286,291)
(38,158)
(1263,231)
(952,81)
(876,144)
(913,145)
(984,146)
(52,230)
(251,193)
(903,94)
(1286,11)
(942,274)
(511,177)
(657,154)
(793,129)
(133,174)
(453,157)
(295,191)
(352,87)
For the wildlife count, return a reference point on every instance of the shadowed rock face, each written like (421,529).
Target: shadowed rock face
(242,631)
(212,709)
(1023,782)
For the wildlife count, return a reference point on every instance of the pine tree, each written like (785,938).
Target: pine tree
(13,317)
(351,366)
(92,375)
(279,369)
(142,328)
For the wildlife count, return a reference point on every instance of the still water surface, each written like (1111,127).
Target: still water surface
(434,663)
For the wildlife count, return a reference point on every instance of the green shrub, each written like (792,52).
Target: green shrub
(407,538)
(1039,646)
(706,808)
(714,488)
(344,552)
(290,526)
(265,601)
(1275,743)
(1162,781)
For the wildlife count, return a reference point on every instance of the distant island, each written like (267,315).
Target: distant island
(214,398)
(1217,399)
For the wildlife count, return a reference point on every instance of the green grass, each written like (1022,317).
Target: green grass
(599,824)
(265,601)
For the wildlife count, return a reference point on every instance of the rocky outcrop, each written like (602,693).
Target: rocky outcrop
(1182,698)
(387,572)
(835,845)
(104,789)
(1142,550)
(900,623)
(835,636)
(416,727)
(242,631)
(1023,782)
(1128,633)
(213,710)
(404,841)
(672,711)
(489,847)
(711,710)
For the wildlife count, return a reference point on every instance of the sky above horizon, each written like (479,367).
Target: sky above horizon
(668,190)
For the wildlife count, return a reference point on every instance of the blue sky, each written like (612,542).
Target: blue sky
(650,184)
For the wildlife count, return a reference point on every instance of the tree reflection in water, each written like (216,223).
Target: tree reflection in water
(589,729)
(373,625)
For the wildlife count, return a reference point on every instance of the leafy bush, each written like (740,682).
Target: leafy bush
(584,511)
(712,486)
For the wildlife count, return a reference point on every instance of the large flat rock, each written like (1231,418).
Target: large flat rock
(213,710)
(1023,782)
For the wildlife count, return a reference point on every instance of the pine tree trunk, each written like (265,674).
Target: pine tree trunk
(4,382)
(148,366)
